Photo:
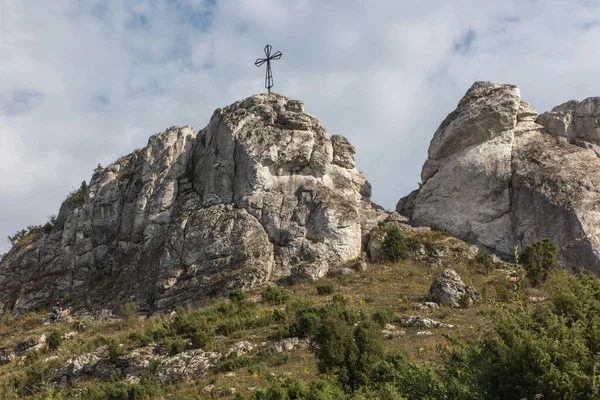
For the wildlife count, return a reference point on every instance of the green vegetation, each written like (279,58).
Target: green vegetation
(484,261)
(325,289)
(539,259)
(275,295)
(54,340)
(394,245)
(237,296)
(526,339)
(124,175)
(32,232)
(77,196)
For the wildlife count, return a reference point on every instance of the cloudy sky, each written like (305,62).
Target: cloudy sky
(84,82)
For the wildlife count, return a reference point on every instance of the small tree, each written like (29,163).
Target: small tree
(484,261)
(394,245)
(539,258)
(54,340)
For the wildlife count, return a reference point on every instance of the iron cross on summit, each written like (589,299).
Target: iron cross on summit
(260,61)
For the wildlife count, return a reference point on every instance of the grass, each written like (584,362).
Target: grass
(386,293)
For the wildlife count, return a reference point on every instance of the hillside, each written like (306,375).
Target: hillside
(190,354)
(267,343)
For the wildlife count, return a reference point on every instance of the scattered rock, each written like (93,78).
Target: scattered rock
(31,343)
(424,333)
(427,306)
(391,331)
(344,271)
(69,335)
(289,344)
(423,322)
(6,356)
(240,349)
(189,364)
(449,288)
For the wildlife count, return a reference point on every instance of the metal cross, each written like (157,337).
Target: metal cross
(260,61)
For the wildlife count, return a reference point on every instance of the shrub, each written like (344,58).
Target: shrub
(201,339)
(129,310)
(381,317)
(124,175)
(306,324)
(394,245)
(539,259)
(176,345)
(114,348)
(77,196)
(54,340)
(275,295)
(237,296)
(325,289)
(484,261)
(543,349)
(234,362)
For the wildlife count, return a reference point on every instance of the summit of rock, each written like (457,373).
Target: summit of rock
(499,175)
(262,193)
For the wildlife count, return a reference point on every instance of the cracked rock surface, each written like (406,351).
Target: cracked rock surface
(262,193)
(499,175)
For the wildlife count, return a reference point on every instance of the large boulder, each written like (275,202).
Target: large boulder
(499,176)
(262,193)
(450,290)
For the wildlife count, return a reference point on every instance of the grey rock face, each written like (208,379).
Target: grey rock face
(449,288)
(499,176)
(262,193)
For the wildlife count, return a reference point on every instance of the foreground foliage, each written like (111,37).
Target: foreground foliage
(538,340)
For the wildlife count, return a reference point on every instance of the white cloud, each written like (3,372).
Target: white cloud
(86,82)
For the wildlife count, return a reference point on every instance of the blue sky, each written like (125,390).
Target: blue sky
(83,83)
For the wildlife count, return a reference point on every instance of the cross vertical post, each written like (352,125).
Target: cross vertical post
(260,61)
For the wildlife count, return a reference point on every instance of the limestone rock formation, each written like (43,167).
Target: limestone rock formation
(262,193)
(450,290)
(499,176)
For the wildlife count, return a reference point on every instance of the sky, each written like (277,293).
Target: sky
(85,82)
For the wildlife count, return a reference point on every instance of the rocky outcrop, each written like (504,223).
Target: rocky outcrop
(450,290)
(262,193)
(98,365)
(499,176)
(424,322)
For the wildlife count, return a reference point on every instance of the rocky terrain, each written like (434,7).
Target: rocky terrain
(262,193)
(171,264)
(499,175)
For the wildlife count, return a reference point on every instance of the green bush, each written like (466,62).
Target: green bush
(325,289)
(175,345)
(306,324)
(381,317)
(394,245)
(237,296)
(114,348)
(146,389)
(275,295)
(129,311)
(544,349)
(484,261)
(54,340)
(539,259)
(234,362)
(77,196)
